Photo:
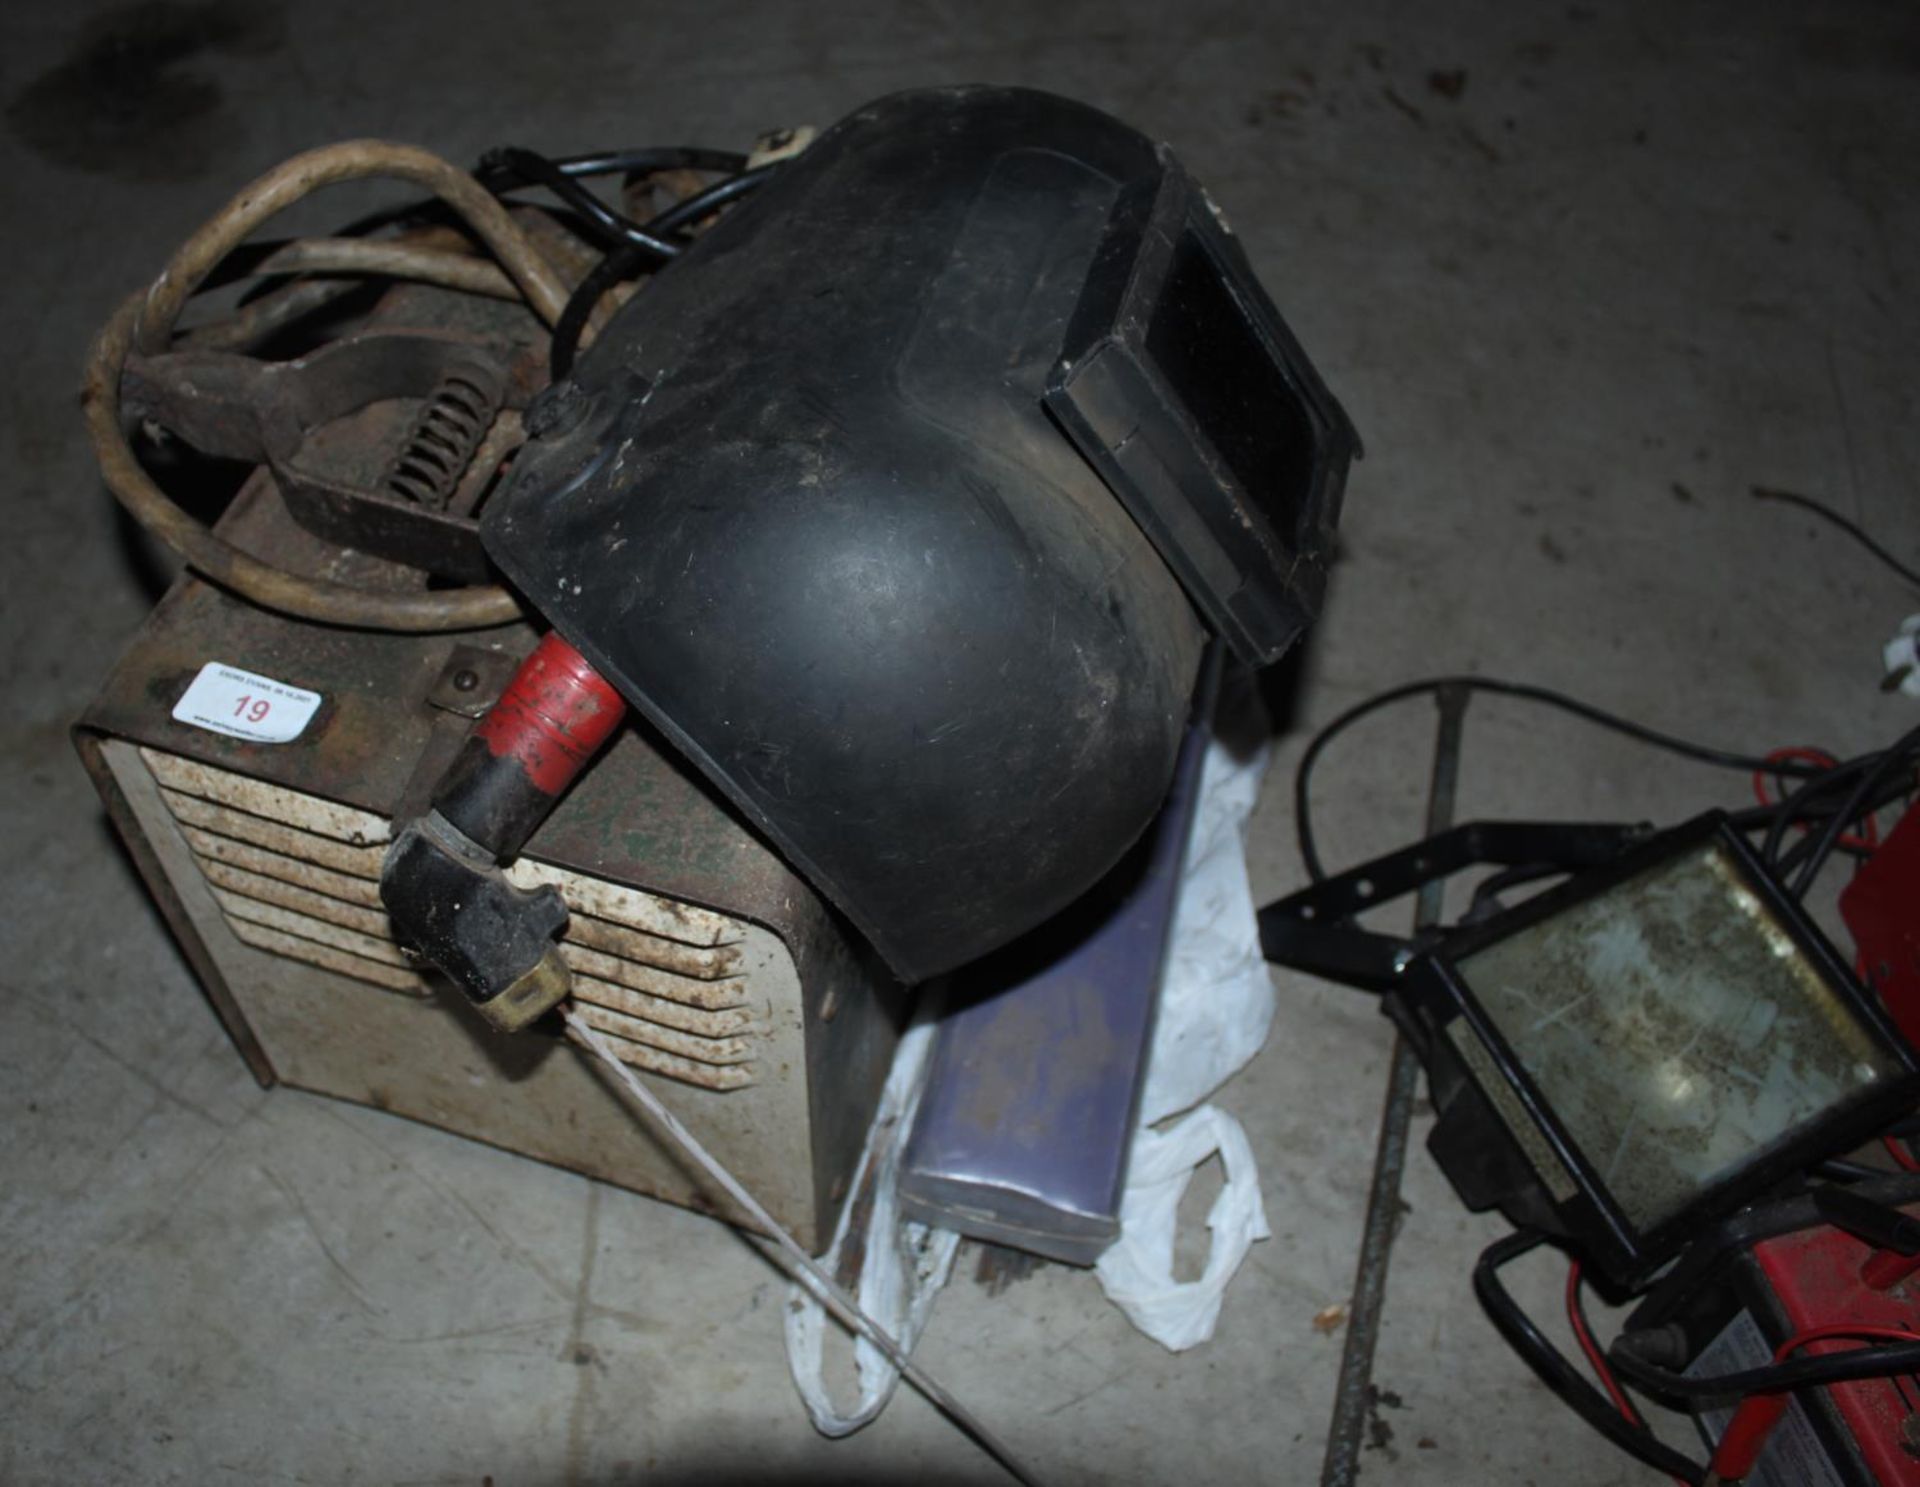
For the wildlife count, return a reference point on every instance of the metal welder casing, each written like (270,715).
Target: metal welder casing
(893,499)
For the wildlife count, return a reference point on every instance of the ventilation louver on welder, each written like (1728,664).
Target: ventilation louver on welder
(299,876)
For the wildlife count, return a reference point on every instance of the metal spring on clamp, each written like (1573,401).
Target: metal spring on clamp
(446,432)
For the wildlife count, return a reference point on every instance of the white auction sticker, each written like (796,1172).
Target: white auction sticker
(228,700)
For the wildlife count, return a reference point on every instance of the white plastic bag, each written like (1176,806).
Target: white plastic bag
(1216,999)
(1137,1271)
(1215,1010)
(1216,1007)
(905,1265)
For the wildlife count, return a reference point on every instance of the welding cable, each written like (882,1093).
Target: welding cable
(275,309)
(1526,1339)
(1524,691)
(427,231)
(1826,513)
(392,260)
(629,259)
(297,277)
(1747,1432)
(428,254)
(1894,759)
(430,218)
(804,1268)
(145,323)
(516,165)
(295,179)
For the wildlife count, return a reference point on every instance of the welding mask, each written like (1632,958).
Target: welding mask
(904,501)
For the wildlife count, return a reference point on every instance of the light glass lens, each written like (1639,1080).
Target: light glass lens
(1676,1029)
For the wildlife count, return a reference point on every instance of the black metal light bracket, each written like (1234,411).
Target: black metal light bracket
(1316,929)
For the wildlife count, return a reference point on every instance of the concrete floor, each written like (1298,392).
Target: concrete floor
(1583,274)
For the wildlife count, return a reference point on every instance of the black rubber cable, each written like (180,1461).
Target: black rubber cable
(1774,1378)
(1703,753)
(1898,757)
(1754,817)
(1794,807)
(1513,877)
(619,265)
(1787,861)
(510,163)
(642,161)
(628,259)
(1624,1404)
(701,203)
(1526,1339)
(1839,1169)
(1852,529)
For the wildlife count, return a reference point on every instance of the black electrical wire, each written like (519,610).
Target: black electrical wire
(632,246)
(1703,753)
(645,161)
(498,175)
(510,165)
(1799,805)
(1839,1169)
(619,265)
(1898,757)
(1576,1302)
(690,210)
(1852,529)
(1514,877)
(1786,862)
(1573,1388)
(1774,1378)
(629,259)
(1753,817)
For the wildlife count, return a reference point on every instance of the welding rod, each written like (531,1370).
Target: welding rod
(807,1271)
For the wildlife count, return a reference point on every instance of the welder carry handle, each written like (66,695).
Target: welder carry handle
(442,882)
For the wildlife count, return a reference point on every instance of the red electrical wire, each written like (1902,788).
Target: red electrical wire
(1746,1434)
(1898,1150)
(1583,1334)
(1864,840)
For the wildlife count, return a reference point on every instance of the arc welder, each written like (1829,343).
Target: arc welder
(726,609)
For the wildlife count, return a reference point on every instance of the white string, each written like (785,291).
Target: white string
(844,1308)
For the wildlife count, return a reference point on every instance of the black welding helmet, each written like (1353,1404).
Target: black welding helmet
(904,500)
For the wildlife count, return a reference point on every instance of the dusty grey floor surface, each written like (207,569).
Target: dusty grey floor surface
(1582,273)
